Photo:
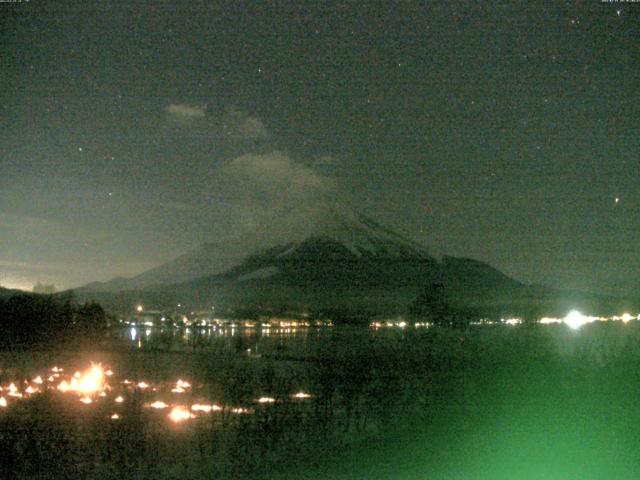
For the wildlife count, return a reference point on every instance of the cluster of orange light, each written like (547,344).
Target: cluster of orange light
(92,383)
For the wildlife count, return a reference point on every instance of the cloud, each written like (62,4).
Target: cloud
(274,175)
(241,126)
(229,124)
(181,111)
(270,192)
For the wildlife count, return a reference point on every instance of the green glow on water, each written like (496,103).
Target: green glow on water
(552,418)
(542,406)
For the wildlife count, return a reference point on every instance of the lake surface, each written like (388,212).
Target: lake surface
(492,402)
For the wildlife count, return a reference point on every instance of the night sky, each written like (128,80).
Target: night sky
(503,131)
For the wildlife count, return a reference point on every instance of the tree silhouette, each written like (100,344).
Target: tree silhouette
(434,305)
(29,319)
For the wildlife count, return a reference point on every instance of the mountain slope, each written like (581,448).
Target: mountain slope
(321,273)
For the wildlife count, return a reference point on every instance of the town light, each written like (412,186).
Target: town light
(575,319)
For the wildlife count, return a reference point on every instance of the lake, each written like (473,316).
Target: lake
(494,402)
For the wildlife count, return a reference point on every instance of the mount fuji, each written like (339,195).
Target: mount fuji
(314,256)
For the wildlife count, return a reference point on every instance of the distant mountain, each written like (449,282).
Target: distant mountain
(9,292)
(334,258)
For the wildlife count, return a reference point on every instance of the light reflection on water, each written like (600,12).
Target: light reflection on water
(260,341)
